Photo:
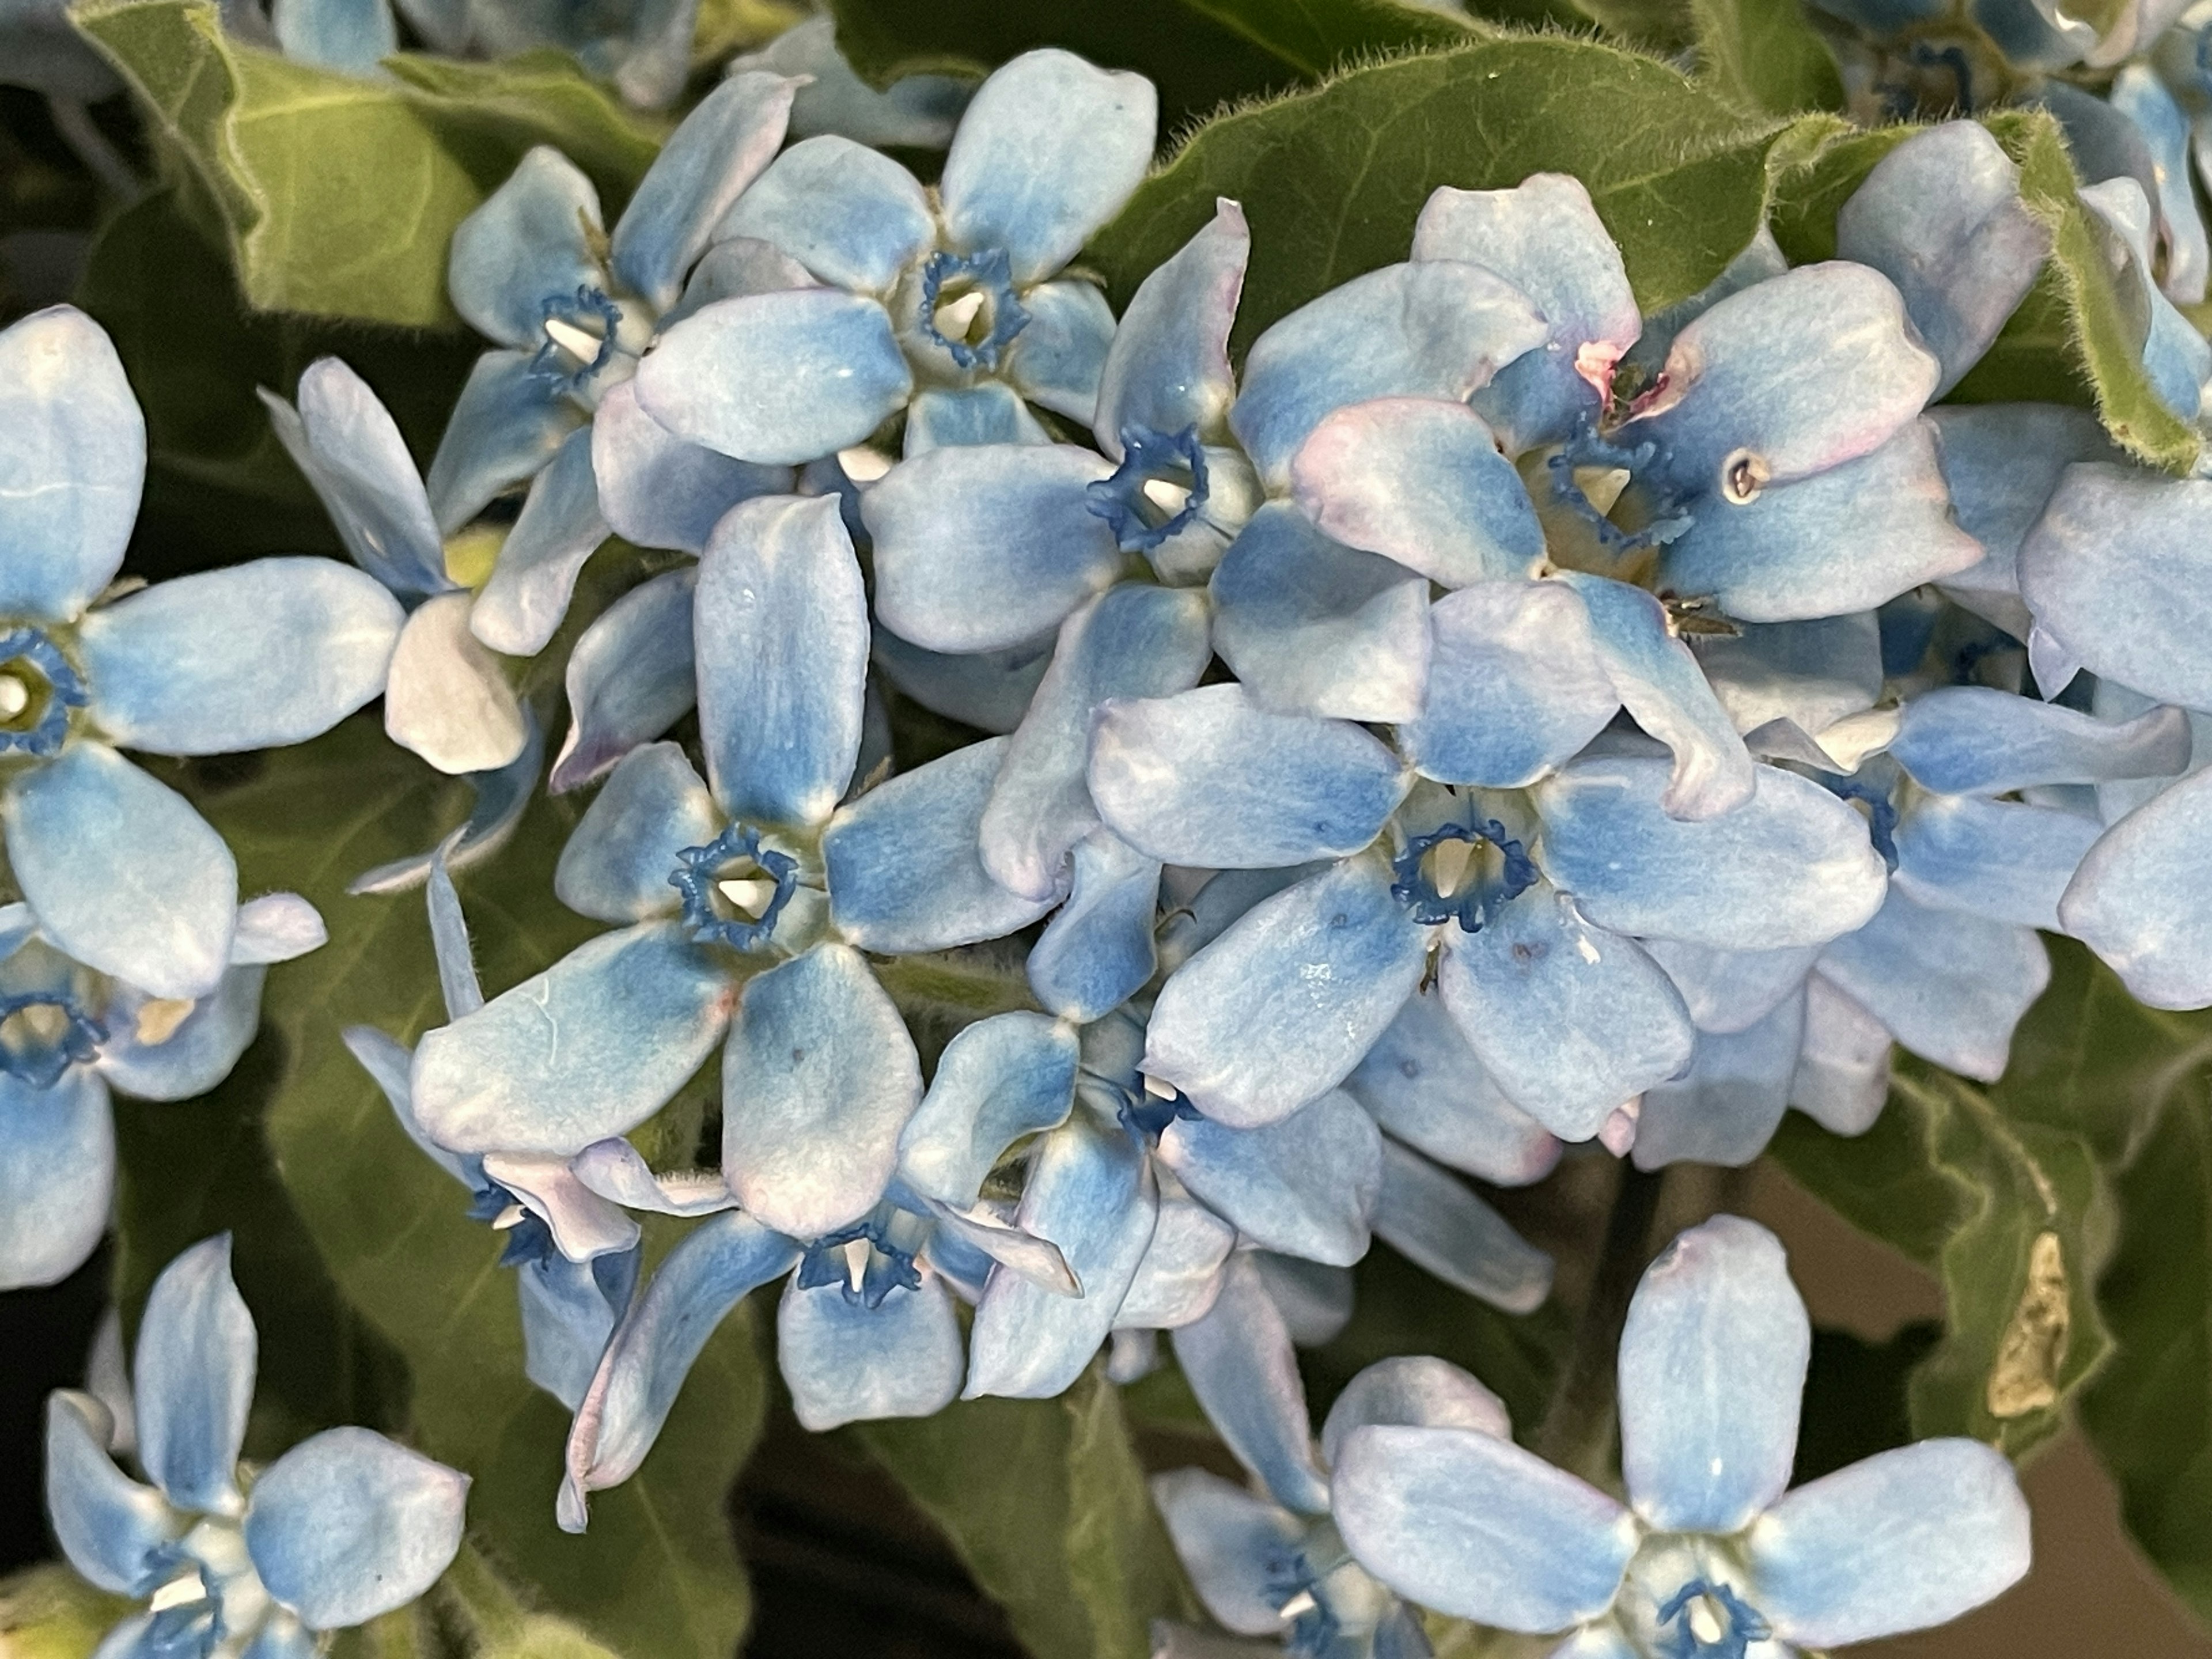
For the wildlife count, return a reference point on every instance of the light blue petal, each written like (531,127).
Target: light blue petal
(655,489)
(565,1322)
(781,377)
(617,864)
(1899,1542)
(1435,1223)
(282,1637)
(733,268)
(349,447)
(1049,150)
(1135,639)
(780,624)
(348,1524)
(457,984)
(948,417)
(1544,238)
(1167,368)
(1302,1185)
(998,1079)
(1421,1083)
(853,218)
(1949,986)
(629,678)
(276,927)
(387,1060)
(112,1529)
(1091,1192)
(718,148)
(1941,215)
(1181,1272)
(255,656)
(1725,1110)
(915,110)
(1239,1362)
(530,242)
(1233,1545)
(1516,686)
(73,450)
(1099,950)
(1568,1021)
(1977,740)
(978,548)
(2138,93)
(560,526)
(1311,626)
(124,874)
(1729,991)
(507,424)
(2002,461)
(1712,1362)
(1413,1391)
(2003,860)
(352,36)
(500,798)
(1659,681)
(848,1362)
(2175,357)
(194,1372)
(1469,1524)
(1316,1301)
(710,1271)
(615,1170)
(1279,1009)
(1209,779)
(1056,360)
(903,866)
(589,1048)
(1845,539)
(1436,329)
(57,1176)
(990,690)
(194,1057)
(2139,899)
(1810,673)
(1792,866)
(1842,1080)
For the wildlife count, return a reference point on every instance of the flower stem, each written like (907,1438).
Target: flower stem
(1578,1430)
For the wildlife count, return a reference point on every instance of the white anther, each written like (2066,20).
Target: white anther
(1170,498)
(177,1592)
(1450,861)
(14,696)
(954,316)
(510,1216)
(158,1020)
(862,465)
(1158,1089)
(856,1261)
(1300,1604)
(573,340)
(1588,949)
(1705,1624)
(751,895)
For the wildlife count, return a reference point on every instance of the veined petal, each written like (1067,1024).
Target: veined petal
(559,527)
(1168,368)
(57,1176)
(1949,986)
(617,864)
(1433,1221)
(1239,1362)
(1414,1391)
(505,426)
(629,678)
(193,1376)
(73,450)
(446,697)
(349,447)
(2004,859)
(1100,949)
(1231,1543)
(679,205)
(1516,685)
(1977,740)
(998,1079)
(1055,361)
(846,1362)
(1304,1184)
(854,218)
(1421,1083)
(530,242)
(347,1525)
(657,491)
(112,1529)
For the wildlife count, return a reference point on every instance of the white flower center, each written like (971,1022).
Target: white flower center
(14,696)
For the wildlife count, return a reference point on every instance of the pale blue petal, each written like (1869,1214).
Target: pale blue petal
(1726,1107)
(819,1079)
(500,798)
(589,1048)
(1471,1525)
(255,656)
(1516,686)
(2003,860)
(848,1362)
(282,1637)
(347,1525)
(1302,1185)
(1055,361)
(733,268)
(655,489)
(629,678)
(194,1057)
(1949,986)
(1316,1301)
(1433,1221)
(617,864)
(978,548)
(1421,1083)
(1413,1391)
(1049,150)
(2140,901)
(998,1079)
(1233,1545)
(2139,94)
(2175,357)
(1712,1362)
(1279,1009)
(1167,368)
(1792,866)
(349,447)
(1436,329)
(718,148)
(1810,673)
(1209,779)
(914,110)
(1091,1192)
(1842,1080)
(387,1060)
(124,874)
(2002,462)
(948,417)
(276,927)
(1312,626)
(457,984)
(73,450)
(505,425)
(615,1170)
(710,1271)
(1659,681)
(1761,261)
(530,242)
(559,527)
(1941,215)
(584,1225)
(1183,1270)
(981,1233)
(1420,480)
(1848,538)
(193,1373)
(1902,1540)
(112,1529)
(57,1176)
(1135,639)
(853,218)
(449,699)
(565,1322)
(1568,1021)
(989,690)
(352,36)
(1977,740)
(780,626)
(1729,991)
(1239,1362)
(780,377)
(1099,950)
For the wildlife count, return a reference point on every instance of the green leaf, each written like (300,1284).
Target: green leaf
(1856,1398)
(1333,179)
(1762,55)
(1046,1503)
(49,1612)
(338,195)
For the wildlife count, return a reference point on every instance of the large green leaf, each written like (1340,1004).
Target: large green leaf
(1333,179)
(1046,1503)
(49,1612)
(338,194)
(1765,56)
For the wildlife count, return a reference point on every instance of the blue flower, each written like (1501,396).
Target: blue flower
(344,1527)
(917,112)
(952,310)
(125,875)
(1712,1555)
(69,1035)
